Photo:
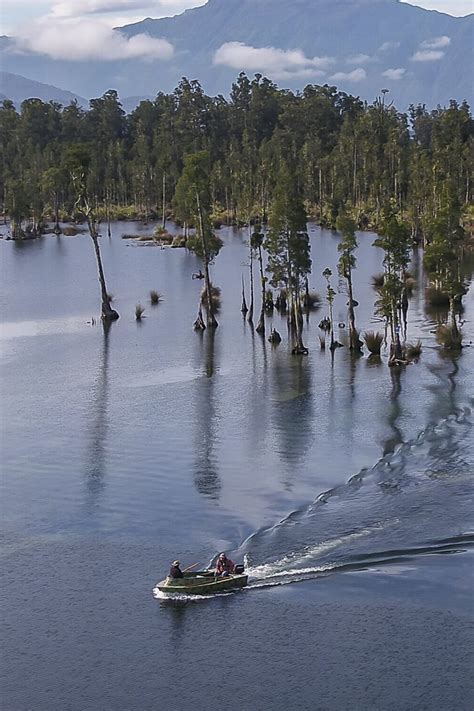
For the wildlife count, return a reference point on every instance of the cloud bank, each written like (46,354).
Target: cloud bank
(155,8)
(81,40)
(431,49)
(436,42)
(278,63)
(427,55)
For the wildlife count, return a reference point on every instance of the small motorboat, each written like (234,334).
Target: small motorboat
(203,582)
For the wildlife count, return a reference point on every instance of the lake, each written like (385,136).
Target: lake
(347,487)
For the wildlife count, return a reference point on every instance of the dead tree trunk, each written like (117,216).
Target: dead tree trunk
(261,321)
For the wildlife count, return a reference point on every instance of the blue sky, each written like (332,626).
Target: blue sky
(18,13)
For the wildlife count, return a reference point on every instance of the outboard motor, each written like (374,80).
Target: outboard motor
(238,570)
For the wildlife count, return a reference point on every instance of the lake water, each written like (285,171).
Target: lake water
(346,487)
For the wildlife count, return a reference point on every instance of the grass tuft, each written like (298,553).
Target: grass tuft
(312,300)
(378,280)
(373,342)
(215,296)
(413,350)
(436,298)
(155,297)
(139,311)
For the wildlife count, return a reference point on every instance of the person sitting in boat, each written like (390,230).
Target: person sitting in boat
(175,570)
(224,565)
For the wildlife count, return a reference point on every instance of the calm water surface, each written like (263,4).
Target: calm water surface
(123,450)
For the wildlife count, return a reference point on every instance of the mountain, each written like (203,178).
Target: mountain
(18,88)
(361,46)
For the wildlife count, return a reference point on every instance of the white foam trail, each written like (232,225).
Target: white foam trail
(293,575)
(159,595)
(279,567)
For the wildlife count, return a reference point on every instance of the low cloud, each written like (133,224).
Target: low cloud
(436,42)
(358,59)
(278,63)
(81,40)
(358,74)
(156,8)
(394,74)
(386,46)
(427,55)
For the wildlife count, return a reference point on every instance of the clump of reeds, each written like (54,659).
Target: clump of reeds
(448,337)
(373,342)
(139,311)
(155,297)
(378,280)
(413,350)
(436,298)
(312,300)
(215,296)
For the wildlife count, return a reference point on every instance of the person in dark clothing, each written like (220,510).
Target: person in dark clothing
(224,565)
(175,570)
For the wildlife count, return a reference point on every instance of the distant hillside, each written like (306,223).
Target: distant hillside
(18,88)
(361,46)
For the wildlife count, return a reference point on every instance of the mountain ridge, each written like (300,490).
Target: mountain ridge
(361,46)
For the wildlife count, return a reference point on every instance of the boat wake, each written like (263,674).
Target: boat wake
(416,501)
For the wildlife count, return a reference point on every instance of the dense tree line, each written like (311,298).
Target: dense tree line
(343,153)
(265,157)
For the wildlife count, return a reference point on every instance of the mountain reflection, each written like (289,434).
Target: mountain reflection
(206,477)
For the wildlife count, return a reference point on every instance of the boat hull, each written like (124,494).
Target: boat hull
(202,583)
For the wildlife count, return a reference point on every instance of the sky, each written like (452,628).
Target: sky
(17,16)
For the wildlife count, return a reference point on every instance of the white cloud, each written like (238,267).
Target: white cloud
(80,40)
(436,42)
(358,74)
(18,14)
(427,55)
(156,8)
(358,59)
(394,74)
(386,46)
(279,63)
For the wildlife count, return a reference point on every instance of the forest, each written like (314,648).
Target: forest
(268,159)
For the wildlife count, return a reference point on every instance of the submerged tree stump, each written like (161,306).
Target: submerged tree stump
(199,324)
(274,338)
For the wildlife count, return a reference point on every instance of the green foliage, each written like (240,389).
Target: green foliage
(448,337)
(347,246)
(287,241)
(215,296)
(344,155)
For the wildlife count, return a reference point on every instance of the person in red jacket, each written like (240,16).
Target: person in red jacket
(224,565)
